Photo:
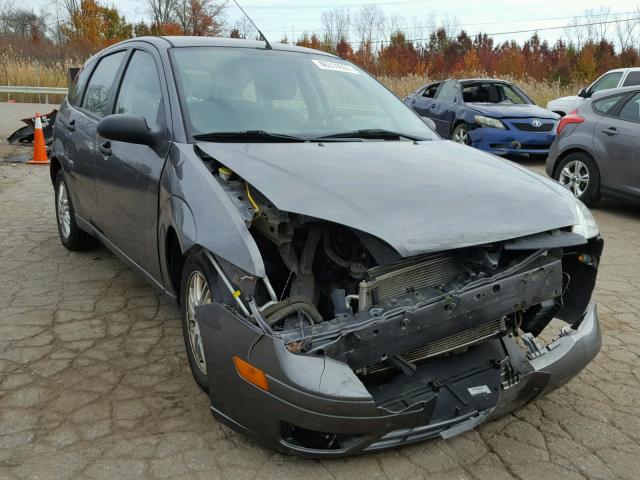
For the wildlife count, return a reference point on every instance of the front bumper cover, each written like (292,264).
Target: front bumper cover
(318,394)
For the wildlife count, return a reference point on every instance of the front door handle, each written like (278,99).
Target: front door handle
(105,148)
(71,126)
(610,131)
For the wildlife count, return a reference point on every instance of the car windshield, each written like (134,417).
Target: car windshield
(494,93)
(235,90)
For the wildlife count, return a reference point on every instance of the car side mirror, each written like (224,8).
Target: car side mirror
(127,128)
(584,93)
(430,123)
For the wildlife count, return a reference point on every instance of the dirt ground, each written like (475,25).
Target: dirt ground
(94,381)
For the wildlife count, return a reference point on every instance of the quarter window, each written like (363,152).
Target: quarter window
(100,86)
(605,105)
(631,110)
(78,84)
(140,93)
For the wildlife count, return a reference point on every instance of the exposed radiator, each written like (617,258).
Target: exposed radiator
(447,344)
(385,283)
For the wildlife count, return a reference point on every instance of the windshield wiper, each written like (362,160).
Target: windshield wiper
(248,136)
(370,133)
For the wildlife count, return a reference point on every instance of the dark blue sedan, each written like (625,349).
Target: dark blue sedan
(492,115)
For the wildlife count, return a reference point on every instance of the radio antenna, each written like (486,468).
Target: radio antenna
(268,45)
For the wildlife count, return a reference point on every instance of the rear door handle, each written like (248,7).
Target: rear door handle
(105,148)
(71,126)
(610,131)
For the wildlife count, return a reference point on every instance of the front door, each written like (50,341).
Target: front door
(128,175)
(442,111)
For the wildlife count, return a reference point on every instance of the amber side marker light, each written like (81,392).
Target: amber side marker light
(251,374)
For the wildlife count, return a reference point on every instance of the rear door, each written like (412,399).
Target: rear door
(617,144)
(128,175)
(422,102)
(443,109)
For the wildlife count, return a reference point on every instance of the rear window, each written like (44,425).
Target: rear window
(632,79)
(605,105)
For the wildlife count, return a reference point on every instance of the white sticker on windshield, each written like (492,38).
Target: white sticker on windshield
(335,66)
(479,390)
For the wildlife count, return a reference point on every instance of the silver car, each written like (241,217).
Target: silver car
(597,145)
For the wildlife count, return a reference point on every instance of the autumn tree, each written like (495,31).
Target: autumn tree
(200,17)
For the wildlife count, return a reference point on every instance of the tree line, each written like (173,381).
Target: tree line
(592,43)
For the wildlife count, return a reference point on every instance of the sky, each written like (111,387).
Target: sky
(277,18)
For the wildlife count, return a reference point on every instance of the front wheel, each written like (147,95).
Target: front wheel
(579,174)
(461,134)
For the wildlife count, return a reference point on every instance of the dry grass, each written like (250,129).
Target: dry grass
(540,91)
(29,72)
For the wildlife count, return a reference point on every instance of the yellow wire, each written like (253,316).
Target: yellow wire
(253,202)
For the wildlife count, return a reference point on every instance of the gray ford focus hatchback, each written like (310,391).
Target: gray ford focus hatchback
(348,280)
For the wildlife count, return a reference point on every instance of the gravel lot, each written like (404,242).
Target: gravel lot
(94,381)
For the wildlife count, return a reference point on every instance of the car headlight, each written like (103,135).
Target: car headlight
(586,226)
(489,122)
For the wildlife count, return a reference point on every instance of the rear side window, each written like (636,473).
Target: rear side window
(140,93)
(631,110)
(632,79)
(75,90)
(101,84)
(430,92)
(448,91)
(605,105)
(610,80)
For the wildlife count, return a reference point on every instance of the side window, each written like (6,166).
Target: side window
(430,91)
(631,110)
(76,88)
(632,79)
(448,91)
(140,92)
(101,84)
(610,80)
(605,105)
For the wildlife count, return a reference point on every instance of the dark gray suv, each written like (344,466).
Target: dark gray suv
(348,280)
(597,147)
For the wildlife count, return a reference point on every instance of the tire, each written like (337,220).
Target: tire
(461,134)
(71,236)
(579,173)
(198,268)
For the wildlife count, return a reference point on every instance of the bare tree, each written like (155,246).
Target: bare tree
(576,33)
(336,23)
(244,27)
(162,11)
(21,22)
(369,23)
(626,28)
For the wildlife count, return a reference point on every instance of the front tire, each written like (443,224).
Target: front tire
(461,134)
(199,285)
(70,234)
(579,173)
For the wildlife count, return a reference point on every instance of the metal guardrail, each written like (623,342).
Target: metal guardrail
(46,91)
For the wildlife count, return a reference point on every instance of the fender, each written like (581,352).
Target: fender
(202,214)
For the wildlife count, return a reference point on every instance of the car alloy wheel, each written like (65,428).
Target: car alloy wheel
(461,135)
(198,293)
(64,213)
(575,177)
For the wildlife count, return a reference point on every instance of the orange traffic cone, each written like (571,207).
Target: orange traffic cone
(39,147)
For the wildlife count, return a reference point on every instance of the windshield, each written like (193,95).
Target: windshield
(494,93)
(287,93)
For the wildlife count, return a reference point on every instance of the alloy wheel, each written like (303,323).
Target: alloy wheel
(198,293)
(64,213)
(461,136)
(575,177)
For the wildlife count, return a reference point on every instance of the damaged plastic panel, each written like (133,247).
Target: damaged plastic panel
(338,293)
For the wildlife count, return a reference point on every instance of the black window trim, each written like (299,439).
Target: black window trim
(615,111)
(116,81)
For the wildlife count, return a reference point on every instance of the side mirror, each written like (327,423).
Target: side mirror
(584,93)
(127,128)
(430,123)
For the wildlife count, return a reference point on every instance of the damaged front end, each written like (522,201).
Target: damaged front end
(345,347)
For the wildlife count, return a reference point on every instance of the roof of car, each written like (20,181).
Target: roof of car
(615,91)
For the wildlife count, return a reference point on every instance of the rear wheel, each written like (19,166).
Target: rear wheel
(199,286)
(579,174)
(461,134)
(71,236)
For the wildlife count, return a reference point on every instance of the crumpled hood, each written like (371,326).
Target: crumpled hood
(512,111)
(418,197)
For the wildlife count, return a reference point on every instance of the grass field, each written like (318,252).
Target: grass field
(25,72)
